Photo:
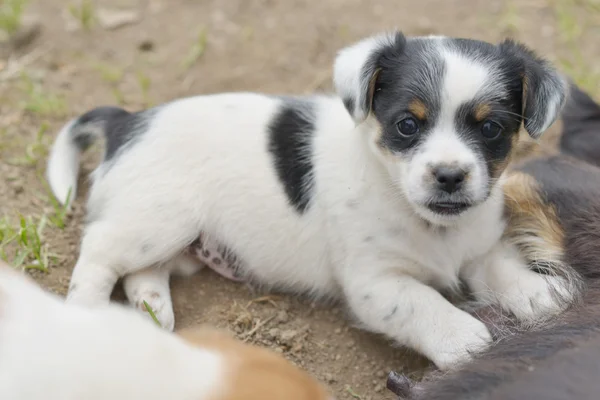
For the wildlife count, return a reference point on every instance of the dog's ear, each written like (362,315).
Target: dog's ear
(356,68)
(544,89)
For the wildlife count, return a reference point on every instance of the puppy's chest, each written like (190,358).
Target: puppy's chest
(435,254)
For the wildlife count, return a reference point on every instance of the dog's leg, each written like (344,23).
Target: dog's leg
(113,248)
(504,278)
(415,315)
(151,286)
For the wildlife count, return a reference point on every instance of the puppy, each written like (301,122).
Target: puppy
(382,196)
(57,351)
(558,360)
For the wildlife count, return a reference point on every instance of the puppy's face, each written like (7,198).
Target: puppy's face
(444,114)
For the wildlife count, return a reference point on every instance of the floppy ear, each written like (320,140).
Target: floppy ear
(544,89)
(355,72)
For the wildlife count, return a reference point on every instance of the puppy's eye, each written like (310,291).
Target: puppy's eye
(490,130)
(408,126)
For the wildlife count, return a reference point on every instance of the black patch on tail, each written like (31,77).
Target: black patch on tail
(290,143)
(118,126)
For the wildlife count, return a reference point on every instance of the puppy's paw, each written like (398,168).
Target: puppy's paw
(534,297)
(161,307)
(462,338)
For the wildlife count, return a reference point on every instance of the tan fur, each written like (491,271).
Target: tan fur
(532,223)
(482,110)
(418,109)
(371,92)
(256,373)
(527,148)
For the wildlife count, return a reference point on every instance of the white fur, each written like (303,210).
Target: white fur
(348,70)
(56,351)
(555,103)
(203,165)
(63,166)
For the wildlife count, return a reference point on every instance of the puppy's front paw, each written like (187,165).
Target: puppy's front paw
(463,337)
(534,297)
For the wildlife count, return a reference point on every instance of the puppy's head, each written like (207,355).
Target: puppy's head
(443,114)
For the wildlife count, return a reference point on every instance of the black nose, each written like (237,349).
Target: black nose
(449,179)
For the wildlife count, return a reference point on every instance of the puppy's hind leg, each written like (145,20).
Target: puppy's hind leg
(151,286)
(116,247)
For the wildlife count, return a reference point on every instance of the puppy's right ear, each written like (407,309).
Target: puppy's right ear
(355,72)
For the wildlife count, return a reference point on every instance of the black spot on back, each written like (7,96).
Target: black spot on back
(290,143)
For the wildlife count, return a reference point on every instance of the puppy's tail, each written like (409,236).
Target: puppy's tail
(76,137)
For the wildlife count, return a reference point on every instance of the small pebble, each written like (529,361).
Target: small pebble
(282,316)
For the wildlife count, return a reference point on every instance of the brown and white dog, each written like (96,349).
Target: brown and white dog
(559,360)
(56,351)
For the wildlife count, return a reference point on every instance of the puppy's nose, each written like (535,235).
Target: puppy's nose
(449,179)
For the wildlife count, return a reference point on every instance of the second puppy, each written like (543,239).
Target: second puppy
(55,351)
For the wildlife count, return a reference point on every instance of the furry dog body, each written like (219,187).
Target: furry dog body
(57,351)
(382,196)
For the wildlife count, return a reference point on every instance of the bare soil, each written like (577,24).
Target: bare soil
(284,46)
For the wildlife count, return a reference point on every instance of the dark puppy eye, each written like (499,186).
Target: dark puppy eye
(490,130)
(408,126)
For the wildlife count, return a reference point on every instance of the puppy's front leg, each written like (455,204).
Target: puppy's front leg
(415,315)
(503,277)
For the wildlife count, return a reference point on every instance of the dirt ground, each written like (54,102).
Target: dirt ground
(178,48)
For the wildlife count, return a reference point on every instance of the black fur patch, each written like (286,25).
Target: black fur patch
(290,143)
(581,127)
(409,70)
(118,126)
(542,84)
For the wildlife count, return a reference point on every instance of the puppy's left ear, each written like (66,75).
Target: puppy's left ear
(544,89)
(356,68)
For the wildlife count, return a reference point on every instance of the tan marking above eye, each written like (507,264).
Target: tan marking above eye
(482,111)
(418,109)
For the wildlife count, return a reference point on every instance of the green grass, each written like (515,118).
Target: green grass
(197,49)
(11,15)
(571,30)
(21,244)
(569,26)
(41,102)
(35,151)
(60,211)
(353,393)
(144,83)
(510,19)
(110,74)
(151,312)
(84,13)
(119,96)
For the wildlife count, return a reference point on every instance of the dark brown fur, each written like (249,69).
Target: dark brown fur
(559,360)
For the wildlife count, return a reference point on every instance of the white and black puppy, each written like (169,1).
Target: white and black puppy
(383,196)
